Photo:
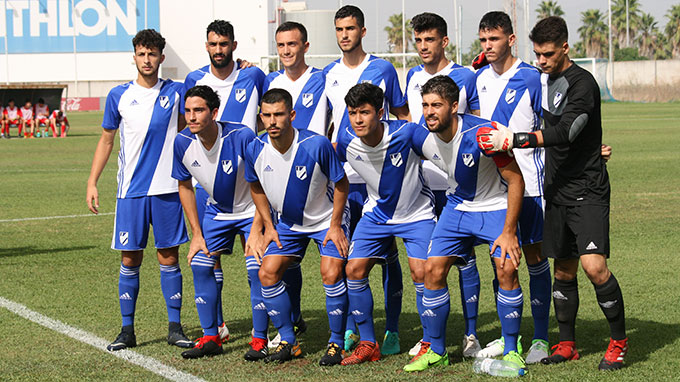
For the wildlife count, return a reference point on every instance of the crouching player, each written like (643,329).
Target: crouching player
(213,153)
(484,201)
(297,173)
(59,122)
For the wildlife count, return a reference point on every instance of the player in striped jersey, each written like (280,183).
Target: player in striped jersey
(484,201)
(298,174)
(147,112)
(399,204)
(213,153)
(510,93)
(356,66)
(430,35)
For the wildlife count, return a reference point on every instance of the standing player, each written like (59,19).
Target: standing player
(59,122)
(430,35)
(42,118)
(297,173)
(12,117)
(356,66)
(147,112)
(400,204)
(27,119)
(510,93)
(484,202)
(213,153)
(576,188)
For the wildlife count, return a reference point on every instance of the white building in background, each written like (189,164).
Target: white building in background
(86,44)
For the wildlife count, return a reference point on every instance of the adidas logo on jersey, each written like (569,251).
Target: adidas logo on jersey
(336,312)
(357,313)
(195,164)
(260,306)
(608,304)
(436,157)
(536,302)
(483,89)
(134,103)
(591,246)
(268,169)
(358,158)
(125,296)
(514,314)
(558,295)
(176,296)
(335,83)
(417,87)
(429,313)
(200,300)
(273,313)
(472,299)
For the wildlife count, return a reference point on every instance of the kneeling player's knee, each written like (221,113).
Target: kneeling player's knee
(267,277)
(331,275)
(418,274)
(355,271)
(597,273)
(434,273)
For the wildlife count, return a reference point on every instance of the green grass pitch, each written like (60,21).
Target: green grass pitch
(64,269)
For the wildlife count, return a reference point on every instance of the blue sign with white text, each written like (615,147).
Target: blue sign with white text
(65,26)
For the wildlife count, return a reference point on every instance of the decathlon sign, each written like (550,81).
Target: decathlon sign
(52,26)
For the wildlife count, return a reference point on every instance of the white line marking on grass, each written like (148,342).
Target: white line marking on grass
(148,363)
(54,217)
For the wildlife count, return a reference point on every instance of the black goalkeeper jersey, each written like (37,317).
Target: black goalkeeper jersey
(575,172)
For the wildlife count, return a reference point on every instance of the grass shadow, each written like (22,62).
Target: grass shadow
(30,250)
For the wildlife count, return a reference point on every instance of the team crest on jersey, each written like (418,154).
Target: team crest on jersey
(227,167)
(164,101)
(557,99)
(510,95)
(301,172)
(240,95)
(468,159)
(307,99)
(123,237)
(396,159)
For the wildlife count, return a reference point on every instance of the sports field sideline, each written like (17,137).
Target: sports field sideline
(63,269)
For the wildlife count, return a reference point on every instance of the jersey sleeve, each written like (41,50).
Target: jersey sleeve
(179,170)
(418,139)
(112,116)
(580,106)
(328,160)
(258,77)
(180,92)
(341,147)
(393,92)
(246,135)
(189,82)
(268,81)
(533,83)
(471,92)
(251,156)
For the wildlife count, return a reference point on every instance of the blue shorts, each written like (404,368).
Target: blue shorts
(295,243)
(356,199)
(531,220)
(457,232)
(134,215)
(219,234)
(372,240)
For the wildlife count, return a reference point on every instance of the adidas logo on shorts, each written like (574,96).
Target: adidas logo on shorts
(591,246)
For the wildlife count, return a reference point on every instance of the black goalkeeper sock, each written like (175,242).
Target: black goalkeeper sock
(610,299)
(565,300)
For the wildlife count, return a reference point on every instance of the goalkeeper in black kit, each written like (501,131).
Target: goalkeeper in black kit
(576,190)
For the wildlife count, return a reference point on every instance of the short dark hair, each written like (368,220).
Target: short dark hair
(148,38)
(277,95)
(212,99)
(550,29)
(350,11)
(290,26)
(427,21)
(496,20)
(41,100)
(222,28)
(365,93)
(28,100)
(442,86)
(10,100)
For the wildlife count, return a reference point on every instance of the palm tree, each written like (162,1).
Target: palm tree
(593,32)
(395,33)
(647,32)
(548,8)
(619,20)
(673,30)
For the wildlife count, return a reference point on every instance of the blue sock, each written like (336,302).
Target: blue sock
(259,310)
(205,292)
(293,279)
(337,304)
(351,324)
(393,286)
(278,308)
(437,305)
(361,307)
(128,289)
(540,285)
(509,306)
(219,279)
(171,285)
(420,288)
(468,279)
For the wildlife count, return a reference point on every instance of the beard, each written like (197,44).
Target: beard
(227,60)
(443,125)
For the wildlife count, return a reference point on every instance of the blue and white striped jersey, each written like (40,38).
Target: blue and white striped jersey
(475,184)
(309,98)
(340,78)
(514,100)
(239,93)
(467,101)
(397,192)
(147,120)
(299,183)
(220,170)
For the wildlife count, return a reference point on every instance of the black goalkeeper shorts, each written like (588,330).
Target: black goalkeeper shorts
(572,231)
